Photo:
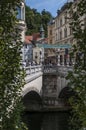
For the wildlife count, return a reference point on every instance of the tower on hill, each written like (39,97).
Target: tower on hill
(42,31)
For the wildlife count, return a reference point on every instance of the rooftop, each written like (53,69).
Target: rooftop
(28,39)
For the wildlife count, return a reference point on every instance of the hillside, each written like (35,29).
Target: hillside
(34,19)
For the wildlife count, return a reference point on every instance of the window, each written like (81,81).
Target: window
(50,41)
(71,32)
(71,41)
(50,32)
(56,36)
(36,55)
(60,34)
(56,24)
(65,19)
(20,14)
(60,22)
(25,45)
(65,32)
(40,53)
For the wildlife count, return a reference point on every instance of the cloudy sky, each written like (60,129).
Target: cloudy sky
(49,5)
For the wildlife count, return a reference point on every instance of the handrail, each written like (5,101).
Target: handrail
(56,68)
(33,69)
(32,72)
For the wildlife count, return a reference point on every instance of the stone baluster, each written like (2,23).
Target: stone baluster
(58,57)
(73,61)
(68,60)
(62,60)
(30,69)
(58,60)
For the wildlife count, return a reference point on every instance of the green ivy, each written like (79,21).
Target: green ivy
(78,76)
(11,72)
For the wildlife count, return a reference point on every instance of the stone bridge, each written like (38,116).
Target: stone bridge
(32,90)
(55,90)
(45,87)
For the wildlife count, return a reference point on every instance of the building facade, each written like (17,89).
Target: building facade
(21,18)
(50,53)
(32,53)
(28,50)
(63,35)
(38,55)
(63,32)
(51,32)
(21,23)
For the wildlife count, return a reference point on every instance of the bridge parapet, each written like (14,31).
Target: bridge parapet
(63,70)
(33,79)
(60,70)
(33,69)
(55,86)
(49,69)
(32,72)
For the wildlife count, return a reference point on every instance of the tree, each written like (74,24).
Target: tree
(34,19)
(78,76)
(46,17)
(11,72)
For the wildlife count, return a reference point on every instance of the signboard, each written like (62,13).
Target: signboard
(62,46)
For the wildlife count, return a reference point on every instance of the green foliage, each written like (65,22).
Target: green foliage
(78,76)
(46,16)
(11,74)
(34,20)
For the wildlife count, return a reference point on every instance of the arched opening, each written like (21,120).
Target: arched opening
(32,101)
(65,95)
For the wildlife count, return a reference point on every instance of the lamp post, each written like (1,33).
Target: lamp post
(58,57)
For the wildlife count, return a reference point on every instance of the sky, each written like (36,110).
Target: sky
(49,5)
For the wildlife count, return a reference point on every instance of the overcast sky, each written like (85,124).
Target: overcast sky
(49,5)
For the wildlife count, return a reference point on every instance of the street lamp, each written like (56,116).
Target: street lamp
(58,57)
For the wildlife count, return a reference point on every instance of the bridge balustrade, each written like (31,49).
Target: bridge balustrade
(32,72)
(57,69)
(49,68)
(52,102)
(33,69)
(64,69)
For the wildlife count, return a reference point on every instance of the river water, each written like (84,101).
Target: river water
(46,121)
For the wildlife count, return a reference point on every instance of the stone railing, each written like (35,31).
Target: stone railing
(57,69)
(63,70)
(49,69)
(32,72)
(33,69)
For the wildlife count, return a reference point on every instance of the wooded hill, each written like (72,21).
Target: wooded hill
(34,19)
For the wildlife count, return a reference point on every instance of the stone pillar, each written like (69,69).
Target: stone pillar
(68,60)
(73,61)
(58,60)
(58,57)
(62,60)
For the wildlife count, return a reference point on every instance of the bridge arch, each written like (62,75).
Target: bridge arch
(65,94)
(28,89)
(32,100)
